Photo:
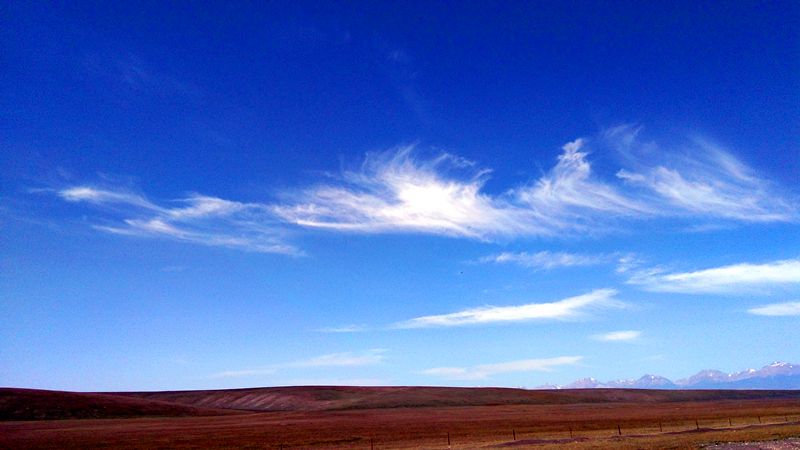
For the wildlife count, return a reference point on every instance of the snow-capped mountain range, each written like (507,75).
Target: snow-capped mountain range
(778,375)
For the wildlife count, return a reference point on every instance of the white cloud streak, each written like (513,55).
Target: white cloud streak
(777,309)
(571,191)
(484,371)
(243,373)
(343,329)
(706,182)
(399,192)
(396,192)
(724,279)
(197,219)
(103,196)
(343,359)
(618,336)
(337,382)
(545,260)
(367,358)
(569,308)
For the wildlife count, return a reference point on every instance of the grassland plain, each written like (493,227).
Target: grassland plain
(626,419)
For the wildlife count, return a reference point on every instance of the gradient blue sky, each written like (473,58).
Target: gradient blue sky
(426,193)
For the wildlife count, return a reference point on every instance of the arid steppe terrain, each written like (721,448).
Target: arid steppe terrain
(394,418)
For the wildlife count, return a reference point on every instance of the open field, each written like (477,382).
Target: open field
(631,419)
(33,404)
(317,398)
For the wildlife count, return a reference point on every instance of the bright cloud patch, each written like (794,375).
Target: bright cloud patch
(545,260)
(367,358)
(571,191)
(195,219)
(721,279)
(569,308)
(618,336)
(344,359)
(343,329)
(705,182)
(244,373)
(485,371)
(777,309)
(397,191)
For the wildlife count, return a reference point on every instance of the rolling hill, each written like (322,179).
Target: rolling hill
(34,404)
(30,404)
(319,398)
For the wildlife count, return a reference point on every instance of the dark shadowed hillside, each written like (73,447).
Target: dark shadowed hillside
(315,398)
(33,404)
(30,404)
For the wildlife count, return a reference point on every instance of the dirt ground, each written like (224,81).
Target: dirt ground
(783,444)
(580,426)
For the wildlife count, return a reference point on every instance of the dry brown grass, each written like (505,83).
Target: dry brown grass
(594,425)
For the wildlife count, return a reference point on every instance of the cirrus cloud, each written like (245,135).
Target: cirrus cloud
(568,308)
(618,336)
(777,309)
(545,260)
(197,219)
(398,191)
(723,279)
(484,371)
(342,359)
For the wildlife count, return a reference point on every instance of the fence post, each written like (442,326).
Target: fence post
(759,419)
(619,430)
(570,432)
(514,433)
(697,425)
(730,423)
(448,439)
(660,428)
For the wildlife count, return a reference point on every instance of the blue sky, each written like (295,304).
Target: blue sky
(212,196)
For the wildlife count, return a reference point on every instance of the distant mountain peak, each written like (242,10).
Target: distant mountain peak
(704,376)
(585,383)
(777,375)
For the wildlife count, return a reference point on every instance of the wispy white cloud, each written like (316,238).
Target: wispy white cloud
(367,358)
(568,308)
(337,382)
(618,336)
(197,219)
(396,192)
(702,181)
(735,277)
(343,329)
(485,371)
(545,259)
(343,359)
(777,309)
(628,263)
(105,196)
(244,373)
(570,191)
(400,192)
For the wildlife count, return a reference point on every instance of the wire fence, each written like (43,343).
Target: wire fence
(538,432)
